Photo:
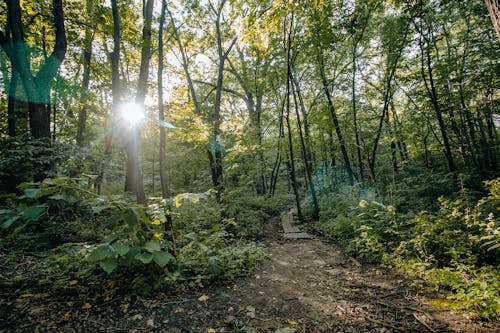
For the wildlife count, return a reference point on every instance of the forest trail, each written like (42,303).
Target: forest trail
(307,286)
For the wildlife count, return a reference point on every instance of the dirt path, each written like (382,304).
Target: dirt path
(307,286)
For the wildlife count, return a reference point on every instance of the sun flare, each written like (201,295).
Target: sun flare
(132,113)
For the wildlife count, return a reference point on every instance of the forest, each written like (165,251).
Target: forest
(149,150)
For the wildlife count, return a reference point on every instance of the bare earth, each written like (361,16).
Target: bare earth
(307,286)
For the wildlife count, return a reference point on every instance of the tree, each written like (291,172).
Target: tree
(494,10)
(134,179)
(36,86)
(165,191)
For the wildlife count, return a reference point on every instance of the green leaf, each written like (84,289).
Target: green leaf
(9,222)
(144,257)
(121,247)
(162,258)
(152,246)
(33,212)
(31,192)
(99,253)
(109,265)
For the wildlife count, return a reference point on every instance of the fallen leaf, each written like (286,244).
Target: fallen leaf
(124,306)
(73,282)
(292,322)
(26,295)
(230,309)
(67,315)
(87,306)
(250,311)
(203,298)
(211,330)
(179,310)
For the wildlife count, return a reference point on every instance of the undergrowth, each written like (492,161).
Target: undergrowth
(84,239)
(452,245)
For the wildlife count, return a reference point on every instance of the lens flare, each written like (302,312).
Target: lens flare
(132,113)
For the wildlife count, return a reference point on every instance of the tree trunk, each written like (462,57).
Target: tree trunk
(37,88)
(165,191)
(87,57)
(335,120)
(425,59)
(494,10)
(134,179)
(291,161)
(306,154)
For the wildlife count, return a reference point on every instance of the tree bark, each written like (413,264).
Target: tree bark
(494,10)
(134,178)
(165,190)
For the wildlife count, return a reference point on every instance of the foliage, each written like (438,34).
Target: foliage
(250,212)
(22,156)
(164,246)
(46,213)
(454,248)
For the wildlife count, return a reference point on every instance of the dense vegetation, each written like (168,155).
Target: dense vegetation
(377,119)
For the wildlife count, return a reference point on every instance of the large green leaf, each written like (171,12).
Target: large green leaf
(162,258)
(144,257)
(33,212)
(31,192)
(99,253)
(9,222)
(121,247)
(152,246)
(109,265)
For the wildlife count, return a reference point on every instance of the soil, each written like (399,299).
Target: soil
(307,286)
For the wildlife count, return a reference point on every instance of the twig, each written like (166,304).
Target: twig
(177,302)
(405,307)
(383,323)
(423,323)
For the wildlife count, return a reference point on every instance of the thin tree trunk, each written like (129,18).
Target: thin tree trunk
(165,191)
(432,93)
(305,149)
(335,120)
(291,161)
(87,57)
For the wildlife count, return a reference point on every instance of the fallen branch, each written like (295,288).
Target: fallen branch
(421,321)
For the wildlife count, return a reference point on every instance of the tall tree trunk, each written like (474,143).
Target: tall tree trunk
(494,10)
(214,148)
(336,124)
(291,161)
(428,79)
(134,179)
(355,115)
(306,154)
(165,191)
(11,103)
(36,87)
(87,57)
(388,93)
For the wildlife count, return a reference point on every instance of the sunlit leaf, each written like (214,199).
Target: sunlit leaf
(203,298)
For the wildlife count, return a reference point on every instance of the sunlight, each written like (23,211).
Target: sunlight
(132,113)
